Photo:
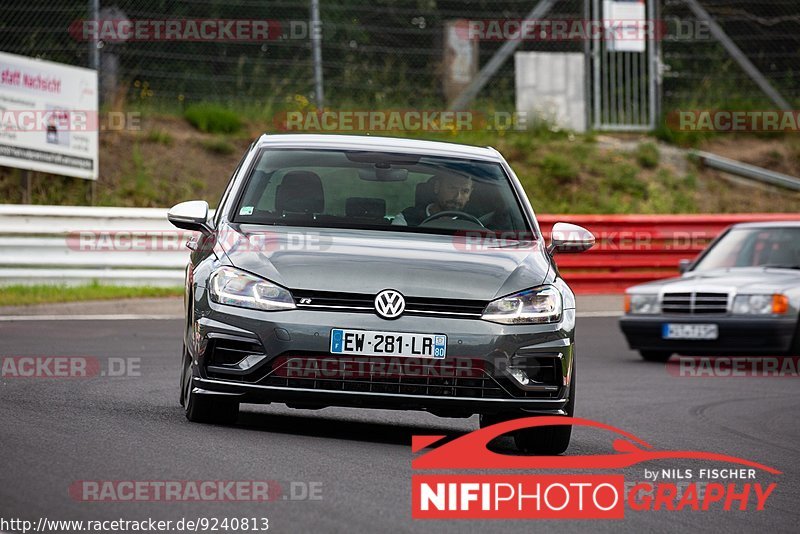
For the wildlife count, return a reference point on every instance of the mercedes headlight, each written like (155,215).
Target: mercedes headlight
(238,288)
(760,304)
(538,305)
(642,304)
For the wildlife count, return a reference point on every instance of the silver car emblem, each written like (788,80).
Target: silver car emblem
(389,304)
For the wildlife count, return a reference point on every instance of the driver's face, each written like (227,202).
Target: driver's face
(453,192)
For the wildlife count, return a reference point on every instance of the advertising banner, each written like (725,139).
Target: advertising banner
(48,117)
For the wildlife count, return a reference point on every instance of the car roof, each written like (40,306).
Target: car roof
(768,224)
(369,142)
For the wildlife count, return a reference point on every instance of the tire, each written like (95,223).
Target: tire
(185,352)
(184,376)
(542,441)
(655,355)
(548,440)
(794,350)
(201,408)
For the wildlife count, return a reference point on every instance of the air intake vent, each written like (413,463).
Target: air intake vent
(232,351)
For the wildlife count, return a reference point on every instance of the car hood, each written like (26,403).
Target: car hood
(742,279)
(365,261)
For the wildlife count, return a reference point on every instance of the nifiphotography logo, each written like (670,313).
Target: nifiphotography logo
(726,483)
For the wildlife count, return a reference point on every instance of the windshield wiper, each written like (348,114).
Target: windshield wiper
(781,266)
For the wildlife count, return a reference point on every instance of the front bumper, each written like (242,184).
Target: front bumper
(313,398)
(737,335)
(304,335)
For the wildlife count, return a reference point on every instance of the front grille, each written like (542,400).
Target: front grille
(365,303)
(394,376)
(695,303)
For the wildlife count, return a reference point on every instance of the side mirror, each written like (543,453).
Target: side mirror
(684,265)
(566,237)
(191,215)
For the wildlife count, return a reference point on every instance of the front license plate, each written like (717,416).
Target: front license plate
(689,331)
(374,343)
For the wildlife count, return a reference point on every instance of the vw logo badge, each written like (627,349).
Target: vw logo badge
(389,304)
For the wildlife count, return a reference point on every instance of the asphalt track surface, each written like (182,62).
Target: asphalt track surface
(54,432)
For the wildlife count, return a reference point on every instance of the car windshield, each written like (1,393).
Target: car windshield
(380,191)
(754,247)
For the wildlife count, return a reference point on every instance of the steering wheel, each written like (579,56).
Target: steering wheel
(454,214)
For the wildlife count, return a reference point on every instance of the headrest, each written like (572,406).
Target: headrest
(424,194)
(300,192)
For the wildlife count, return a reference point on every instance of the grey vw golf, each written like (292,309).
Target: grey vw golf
(378,273)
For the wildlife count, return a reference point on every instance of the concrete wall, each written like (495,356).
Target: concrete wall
(551,86)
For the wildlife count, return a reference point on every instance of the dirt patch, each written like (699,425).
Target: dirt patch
(165,162)
(780,154)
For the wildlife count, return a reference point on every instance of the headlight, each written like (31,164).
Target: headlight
(537,305)
(760,304)
(238,288)
(642,304)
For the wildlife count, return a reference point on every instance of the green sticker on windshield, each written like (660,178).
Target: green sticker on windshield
(246,210)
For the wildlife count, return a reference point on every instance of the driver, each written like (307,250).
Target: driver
(452,192)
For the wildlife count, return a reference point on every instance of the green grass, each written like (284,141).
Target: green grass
(687,139)
(138,182)
(569,174)
(560,167)
(218,146)
(647,155)
(159,136)
(25,295)
(213,118)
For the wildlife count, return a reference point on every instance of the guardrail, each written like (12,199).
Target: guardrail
(137,246)
(76,244)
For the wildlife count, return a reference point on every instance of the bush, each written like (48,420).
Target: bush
(560,167)
(212,118)
(218,146)
(687,139)
(159,136)
(647,155)
(623,179)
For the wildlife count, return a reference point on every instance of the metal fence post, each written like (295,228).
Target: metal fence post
(654,76)
(316,51)
(94,52)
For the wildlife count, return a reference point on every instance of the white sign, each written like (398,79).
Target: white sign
(625,26)
(460,58)
(48,117)
(462,49)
